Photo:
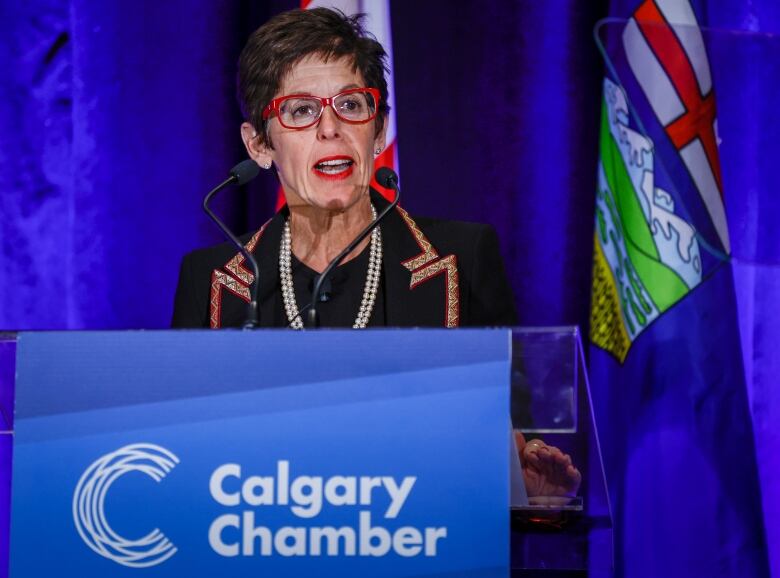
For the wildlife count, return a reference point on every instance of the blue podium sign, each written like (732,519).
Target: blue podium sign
(271,453)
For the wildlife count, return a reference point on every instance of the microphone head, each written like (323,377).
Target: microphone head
(386,177)
(245,171)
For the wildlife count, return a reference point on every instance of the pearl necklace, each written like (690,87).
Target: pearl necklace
(370,288)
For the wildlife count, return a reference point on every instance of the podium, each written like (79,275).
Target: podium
(554,536)
(327,453)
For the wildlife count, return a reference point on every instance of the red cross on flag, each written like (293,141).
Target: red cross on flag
(666,53)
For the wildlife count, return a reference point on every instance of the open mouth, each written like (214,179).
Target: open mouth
(334,167)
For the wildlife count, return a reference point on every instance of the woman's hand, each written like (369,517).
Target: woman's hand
(547,471)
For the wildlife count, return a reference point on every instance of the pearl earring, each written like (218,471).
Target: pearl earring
(267,166)
(378,150)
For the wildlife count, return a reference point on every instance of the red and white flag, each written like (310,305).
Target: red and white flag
(666,53)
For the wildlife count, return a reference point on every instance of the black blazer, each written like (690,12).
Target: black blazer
(436,274)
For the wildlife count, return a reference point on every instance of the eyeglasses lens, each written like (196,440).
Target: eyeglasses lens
(301,112)
(355,106)
(297,112)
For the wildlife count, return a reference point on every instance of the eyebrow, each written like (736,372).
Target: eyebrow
(339,91)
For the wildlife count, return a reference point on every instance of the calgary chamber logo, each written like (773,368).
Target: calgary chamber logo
(276,514)
(89,500)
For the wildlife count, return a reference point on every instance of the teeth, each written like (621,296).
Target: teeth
(333,166)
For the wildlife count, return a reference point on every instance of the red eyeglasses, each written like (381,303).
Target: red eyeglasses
(298,111)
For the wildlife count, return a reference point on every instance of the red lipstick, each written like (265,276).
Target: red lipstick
(336,167)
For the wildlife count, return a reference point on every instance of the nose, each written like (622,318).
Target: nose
(329,126)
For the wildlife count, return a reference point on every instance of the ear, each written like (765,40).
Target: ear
(257,151)
(381,139)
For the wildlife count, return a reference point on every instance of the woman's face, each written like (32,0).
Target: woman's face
(328,165)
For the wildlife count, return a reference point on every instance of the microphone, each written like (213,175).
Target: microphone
(388,179)
(245,171)
(240,174)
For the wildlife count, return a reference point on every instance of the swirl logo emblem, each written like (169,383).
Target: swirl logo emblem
(90,496)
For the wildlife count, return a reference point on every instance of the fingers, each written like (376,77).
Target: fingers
(540,457)
(575,478)
(565,476)
(532,448)
(520,442)
(560,475)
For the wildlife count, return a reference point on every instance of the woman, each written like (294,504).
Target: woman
(313,91)
(422,272)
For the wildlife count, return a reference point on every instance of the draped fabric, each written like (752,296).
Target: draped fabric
(114,119)
(683,398)
(117,117)
(748,59)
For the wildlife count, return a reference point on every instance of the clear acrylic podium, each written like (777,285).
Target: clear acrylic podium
(550,399)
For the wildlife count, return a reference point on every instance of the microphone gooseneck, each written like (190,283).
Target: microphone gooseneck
(240,174)
(388,179)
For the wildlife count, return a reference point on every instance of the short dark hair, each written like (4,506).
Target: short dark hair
(278,45)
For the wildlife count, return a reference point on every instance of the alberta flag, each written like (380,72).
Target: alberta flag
(666,365)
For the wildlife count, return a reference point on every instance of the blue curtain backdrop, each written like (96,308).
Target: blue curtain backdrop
(116,117)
